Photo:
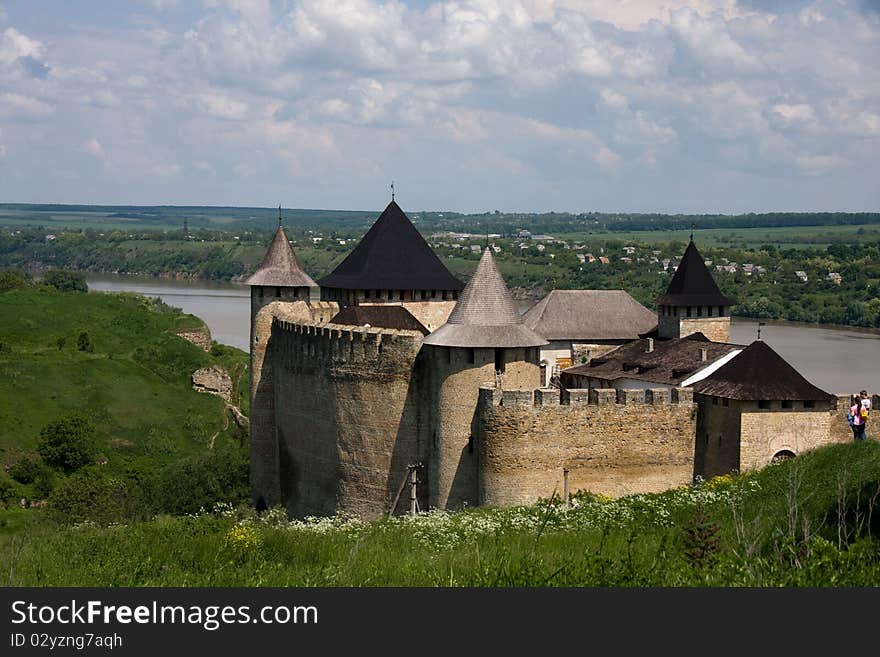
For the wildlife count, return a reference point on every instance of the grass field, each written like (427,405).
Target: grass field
(812,236)
(811,521)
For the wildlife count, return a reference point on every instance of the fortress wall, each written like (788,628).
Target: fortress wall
(348,416)
(612,441)
(264,473)
(452,472)
(765,432)
(717,329)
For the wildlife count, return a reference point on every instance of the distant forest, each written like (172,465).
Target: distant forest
(496,222)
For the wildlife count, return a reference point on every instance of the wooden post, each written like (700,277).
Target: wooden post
(413,480)
(565,486)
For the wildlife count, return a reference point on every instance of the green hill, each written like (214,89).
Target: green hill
(114,358)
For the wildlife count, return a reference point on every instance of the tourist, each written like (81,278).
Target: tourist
(865,411)
(857,423)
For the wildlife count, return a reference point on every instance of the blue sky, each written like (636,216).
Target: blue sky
(469,105)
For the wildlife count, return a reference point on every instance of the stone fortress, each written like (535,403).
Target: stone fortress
(390,361)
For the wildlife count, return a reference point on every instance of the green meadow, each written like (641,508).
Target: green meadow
(812,521)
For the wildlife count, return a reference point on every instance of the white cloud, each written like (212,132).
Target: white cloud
(14,44)
(607,159)
(792,114)
(105,98)
(94,147)
(222,106)
(17,106)
(517,99)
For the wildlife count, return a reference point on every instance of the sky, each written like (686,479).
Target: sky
(718,106)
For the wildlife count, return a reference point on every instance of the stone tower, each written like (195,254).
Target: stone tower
(693,303)
(279,279)
(394,265)
(483,341)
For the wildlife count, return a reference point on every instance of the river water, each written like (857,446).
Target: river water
(837,359)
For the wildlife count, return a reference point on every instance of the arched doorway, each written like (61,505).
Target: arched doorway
(782,455)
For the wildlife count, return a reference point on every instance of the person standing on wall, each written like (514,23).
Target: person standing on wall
(856,423)
(865,412)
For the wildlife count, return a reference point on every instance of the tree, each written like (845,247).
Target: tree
(83,342)
(66,281)
(69,443)
(11,279)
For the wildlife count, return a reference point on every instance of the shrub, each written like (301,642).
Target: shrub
(69,443)
(201,481)
(83,342)
(66,281)
(11,279)
(27,469)
(91,494)
(10,490)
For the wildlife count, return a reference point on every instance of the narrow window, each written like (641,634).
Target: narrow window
(763,404)
(277,291)
(786,404)
(471,444)
(472,357)
(690,311)
(725,401)
(714,401)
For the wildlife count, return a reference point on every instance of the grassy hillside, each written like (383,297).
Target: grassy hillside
(132,381)
(812,521)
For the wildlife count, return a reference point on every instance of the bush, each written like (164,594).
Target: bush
(11,279)
(66,281)
(201,481)
(10,490)
(91,494)
(27,469)
(69,443)
(83,342)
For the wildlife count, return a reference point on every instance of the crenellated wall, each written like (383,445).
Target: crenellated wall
(348,409)
(611,441)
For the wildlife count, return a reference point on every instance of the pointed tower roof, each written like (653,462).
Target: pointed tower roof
(759,373)
(392,256)
(280,266)
(692,284)
(485,315)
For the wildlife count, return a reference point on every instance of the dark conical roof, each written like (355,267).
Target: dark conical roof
(392,256)
(759,373)
(280,266)
(485,314)
(692,284)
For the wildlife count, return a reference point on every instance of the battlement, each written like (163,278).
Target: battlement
(489,395)
(344,345)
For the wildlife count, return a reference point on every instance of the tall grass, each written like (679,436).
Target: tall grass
(812,521)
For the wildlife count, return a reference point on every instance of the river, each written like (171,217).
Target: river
(837,359)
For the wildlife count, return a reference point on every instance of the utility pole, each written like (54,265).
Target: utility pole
(565,487)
